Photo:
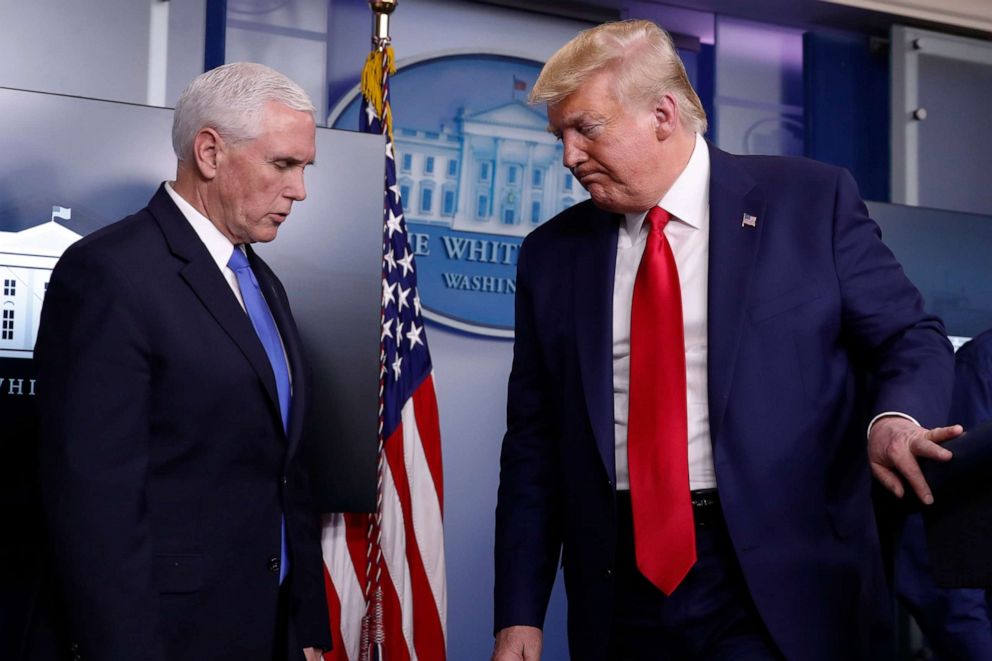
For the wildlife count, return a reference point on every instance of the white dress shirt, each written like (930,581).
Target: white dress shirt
(688,233)
(218,245)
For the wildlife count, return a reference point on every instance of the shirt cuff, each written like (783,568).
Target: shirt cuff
(886,414)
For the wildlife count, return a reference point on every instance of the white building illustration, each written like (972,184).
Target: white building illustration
(498,171)
(26,262)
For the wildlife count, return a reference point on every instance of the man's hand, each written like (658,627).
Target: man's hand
(312,653)
(519,642)
(893,446)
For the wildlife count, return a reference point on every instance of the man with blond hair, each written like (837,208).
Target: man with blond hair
(172,392)
(700,350)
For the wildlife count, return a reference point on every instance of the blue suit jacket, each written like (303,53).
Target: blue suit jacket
(813,328)
(164,463)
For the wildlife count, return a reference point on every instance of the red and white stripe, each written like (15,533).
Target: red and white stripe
(412,578)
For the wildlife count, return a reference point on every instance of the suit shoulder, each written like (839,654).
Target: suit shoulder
(802,180)
(129,236)
(790,169)
(573,221)
(978,350)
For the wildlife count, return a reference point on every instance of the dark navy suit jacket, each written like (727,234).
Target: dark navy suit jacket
(164,464)
(812,329)
(972,402)
(954,546)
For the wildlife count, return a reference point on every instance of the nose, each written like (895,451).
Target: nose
(572,155)
(297,188)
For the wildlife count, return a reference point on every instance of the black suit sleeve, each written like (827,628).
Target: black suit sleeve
(958,524)
(94,384)
(528,517)
(972,401)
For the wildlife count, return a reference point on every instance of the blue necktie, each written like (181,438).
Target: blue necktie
(265,327)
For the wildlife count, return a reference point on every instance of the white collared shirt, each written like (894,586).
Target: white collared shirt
(218,245)
(688,233)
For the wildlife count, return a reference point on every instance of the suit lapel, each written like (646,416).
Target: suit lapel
(283,317)
(202,275)
(732,255)
(594,267)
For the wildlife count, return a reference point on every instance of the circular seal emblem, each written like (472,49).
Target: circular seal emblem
(477,170)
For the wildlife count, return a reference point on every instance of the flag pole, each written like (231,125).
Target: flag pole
(380,22)
(397,607)
(380,62)
(378,66)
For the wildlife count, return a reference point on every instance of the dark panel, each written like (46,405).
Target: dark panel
(105,164)
(846,84)
(705,82)
(945,254)
(215,37)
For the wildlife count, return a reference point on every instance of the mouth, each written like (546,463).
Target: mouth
(589,179)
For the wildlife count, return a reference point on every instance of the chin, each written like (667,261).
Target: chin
(606,203)
(264,237)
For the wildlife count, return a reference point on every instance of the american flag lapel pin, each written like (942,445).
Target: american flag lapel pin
(749,221)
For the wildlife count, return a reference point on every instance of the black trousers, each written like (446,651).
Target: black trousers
(709,616)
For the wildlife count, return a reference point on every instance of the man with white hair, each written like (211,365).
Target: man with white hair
(699,352)
(172,392)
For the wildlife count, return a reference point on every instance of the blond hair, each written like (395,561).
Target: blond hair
(643,57)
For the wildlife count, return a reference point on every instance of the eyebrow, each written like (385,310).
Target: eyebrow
(579,117)
(292,161)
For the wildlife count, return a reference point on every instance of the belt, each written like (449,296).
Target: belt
(705,505)
(703,498)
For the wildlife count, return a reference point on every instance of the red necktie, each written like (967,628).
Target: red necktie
(657,441)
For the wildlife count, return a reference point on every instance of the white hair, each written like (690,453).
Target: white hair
(230,99)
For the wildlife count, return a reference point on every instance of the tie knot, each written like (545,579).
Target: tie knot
(658,218)
(239,260)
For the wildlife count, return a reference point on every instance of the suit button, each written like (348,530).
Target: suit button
(608,573)
(274,564)
(285,480)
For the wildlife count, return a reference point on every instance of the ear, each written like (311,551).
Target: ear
(207,149)
(666,115)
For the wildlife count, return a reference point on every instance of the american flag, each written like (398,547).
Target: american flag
(385,572)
